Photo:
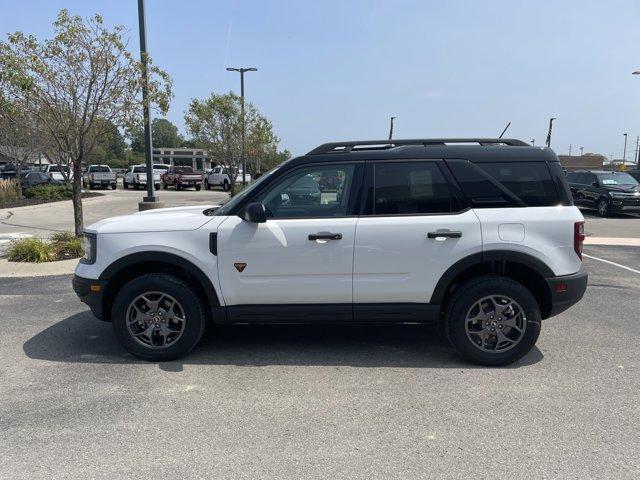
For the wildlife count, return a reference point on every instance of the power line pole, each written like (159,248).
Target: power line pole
(391,128)
(242,120)
(569,149)
(624,152)
(550,129)
(533,142)
(581,151)
(150,201)
(637,146)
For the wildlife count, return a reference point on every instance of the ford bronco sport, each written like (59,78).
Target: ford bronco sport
(479,235)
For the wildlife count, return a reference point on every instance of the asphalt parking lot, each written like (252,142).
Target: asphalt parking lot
(324,402)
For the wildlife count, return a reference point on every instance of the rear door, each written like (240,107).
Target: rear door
(413,227)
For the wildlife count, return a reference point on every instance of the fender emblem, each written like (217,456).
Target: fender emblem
(240,266)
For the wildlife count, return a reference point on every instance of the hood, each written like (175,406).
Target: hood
(159,220)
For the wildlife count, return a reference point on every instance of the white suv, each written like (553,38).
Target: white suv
(479,235)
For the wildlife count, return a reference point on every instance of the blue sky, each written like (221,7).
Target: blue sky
(336,70)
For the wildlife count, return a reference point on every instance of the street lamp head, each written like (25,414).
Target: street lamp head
(231,69)
(637,72)
(251,69)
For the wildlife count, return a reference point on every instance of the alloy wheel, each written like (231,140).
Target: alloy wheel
(495,324)
(155,320)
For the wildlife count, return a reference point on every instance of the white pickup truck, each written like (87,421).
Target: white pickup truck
(99,176)
(136,176)
(59,172)
(219,177)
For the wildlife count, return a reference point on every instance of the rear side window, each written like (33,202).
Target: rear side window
(572,177)
(530,181)
(406,188)
(506,184)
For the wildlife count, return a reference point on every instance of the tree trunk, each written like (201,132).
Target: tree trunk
(77,196)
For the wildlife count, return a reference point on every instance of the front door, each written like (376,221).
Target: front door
(413,229)
(303,254)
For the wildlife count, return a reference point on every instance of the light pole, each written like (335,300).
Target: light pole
(533,142)
(581,151)
(391,128)
(241,71)
(624,152)
(550,128)
(150,201)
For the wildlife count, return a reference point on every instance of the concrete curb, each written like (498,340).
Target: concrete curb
(24,269)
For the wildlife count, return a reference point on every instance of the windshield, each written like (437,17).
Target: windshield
(161,167)
(139,169)
(617,179)
(100,168)
(184,170)
(58,169)
(227,207)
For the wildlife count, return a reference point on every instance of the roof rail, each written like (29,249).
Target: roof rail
(346,147)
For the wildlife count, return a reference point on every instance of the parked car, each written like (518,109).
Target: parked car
(181,177)
(136,176)
(219,177)
(482,238)
(34,178)
(161,168)
(58,172)
(9,171)
(99,176)
(606,192)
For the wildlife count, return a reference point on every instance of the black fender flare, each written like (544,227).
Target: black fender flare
(479,258)
(167,258)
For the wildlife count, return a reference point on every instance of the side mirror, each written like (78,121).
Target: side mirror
(255,213)
(595,183)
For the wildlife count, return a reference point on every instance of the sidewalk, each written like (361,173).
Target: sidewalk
(24,269)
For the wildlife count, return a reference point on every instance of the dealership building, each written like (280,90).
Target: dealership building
(192,157)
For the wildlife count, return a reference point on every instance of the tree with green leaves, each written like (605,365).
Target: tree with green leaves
(20,135)
(164,134)
(215,123)
(77,84)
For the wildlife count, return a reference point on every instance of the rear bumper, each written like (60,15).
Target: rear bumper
(90,292)
(566,290)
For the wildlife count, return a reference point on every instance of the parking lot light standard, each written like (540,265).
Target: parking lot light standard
(241,71)
(150,201)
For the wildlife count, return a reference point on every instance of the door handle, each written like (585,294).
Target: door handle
(444,234)
(325,236)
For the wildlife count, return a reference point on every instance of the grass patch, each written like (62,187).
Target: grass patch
(33,250)
(9,192)
(61,246)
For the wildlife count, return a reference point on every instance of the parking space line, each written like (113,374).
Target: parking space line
(611,263)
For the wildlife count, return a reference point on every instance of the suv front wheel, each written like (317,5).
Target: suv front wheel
(158,317)
(492,320)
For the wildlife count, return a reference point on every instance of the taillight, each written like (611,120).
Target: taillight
(578,238)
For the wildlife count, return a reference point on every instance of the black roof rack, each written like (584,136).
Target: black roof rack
(345,147)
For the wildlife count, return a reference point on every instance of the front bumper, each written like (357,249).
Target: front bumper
(90,292)
(566,290)
(625,204)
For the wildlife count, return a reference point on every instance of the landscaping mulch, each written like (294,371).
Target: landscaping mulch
(25,202)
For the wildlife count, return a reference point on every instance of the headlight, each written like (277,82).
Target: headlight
(89,247)
(618,194)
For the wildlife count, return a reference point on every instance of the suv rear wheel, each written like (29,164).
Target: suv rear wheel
(158,317)
(492,320)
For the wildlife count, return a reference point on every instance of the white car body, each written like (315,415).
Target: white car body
(136,176)
(55,172)
(219,177)
(99,175)
(362,237)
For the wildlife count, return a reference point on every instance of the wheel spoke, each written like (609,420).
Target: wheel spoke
(497,321)
(512,323)
(500,338)
(155,319)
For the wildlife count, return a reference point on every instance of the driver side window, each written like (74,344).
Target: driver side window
(314,191)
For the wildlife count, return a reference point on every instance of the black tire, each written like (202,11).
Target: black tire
(194,313)
(603,207)
(113,187)
(198,188)
(178,187)
(473,291)
(156,186)
(206,185)
(163,185)
(125,185)
(91,187)
(225,186)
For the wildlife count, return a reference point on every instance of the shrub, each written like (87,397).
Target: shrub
(9,192)
(30,250)
(66,245)
(50,192)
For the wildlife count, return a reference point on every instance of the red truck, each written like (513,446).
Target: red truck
(181,177)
